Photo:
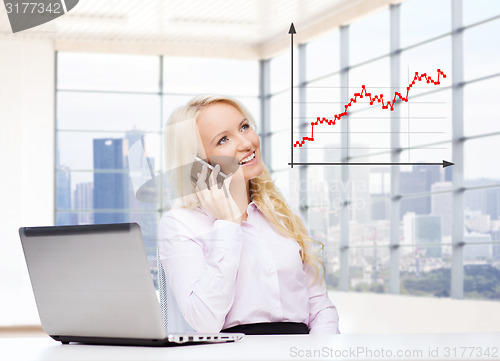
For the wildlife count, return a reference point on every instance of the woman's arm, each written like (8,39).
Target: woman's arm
(201,269)
(323,316)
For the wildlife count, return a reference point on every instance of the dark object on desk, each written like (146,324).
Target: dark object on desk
(270,328)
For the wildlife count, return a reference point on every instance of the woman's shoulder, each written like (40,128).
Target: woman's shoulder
(182,211)
(182,214)
(185,219)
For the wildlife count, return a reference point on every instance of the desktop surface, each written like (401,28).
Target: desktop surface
(459,346)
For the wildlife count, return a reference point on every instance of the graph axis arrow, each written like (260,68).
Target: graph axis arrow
(291,32)
(444,163)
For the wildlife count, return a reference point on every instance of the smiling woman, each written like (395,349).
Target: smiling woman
(236,257)
(226,134)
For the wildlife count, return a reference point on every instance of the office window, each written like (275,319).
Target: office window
(480,59)
(289,185)
(322,97)
(369,125)
(360,214)
(425,271)
(418,24)
(481,108)
(111,110)
(210,76)
(479,10)
(94,111)
(369,269)
(104,72)
(280,112)
(368,37)
(280,73)
(105,105)
(363,214)
(322,57)
(485,149)
(184,78)
(426,58)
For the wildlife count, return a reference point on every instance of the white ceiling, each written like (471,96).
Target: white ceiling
(237,28)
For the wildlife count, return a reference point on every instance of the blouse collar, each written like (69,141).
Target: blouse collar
(252,206)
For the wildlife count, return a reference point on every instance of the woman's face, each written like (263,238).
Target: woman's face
(226,134)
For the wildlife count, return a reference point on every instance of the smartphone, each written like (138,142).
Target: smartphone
(197,167)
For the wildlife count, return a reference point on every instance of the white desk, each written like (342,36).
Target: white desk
(294,347)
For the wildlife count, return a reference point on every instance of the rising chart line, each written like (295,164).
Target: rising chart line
(376,98)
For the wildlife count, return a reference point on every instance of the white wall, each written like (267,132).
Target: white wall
(26,164)
(386,313)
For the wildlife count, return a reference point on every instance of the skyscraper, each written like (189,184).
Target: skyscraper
(428,232)
(83,199)
(441,205)
(419,180)
(110,180)
(63,197)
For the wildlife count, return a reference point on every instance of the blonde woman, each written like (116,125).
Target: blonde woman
(236,257)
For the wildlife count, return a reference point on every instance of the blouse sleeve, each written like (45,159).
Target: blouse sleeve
(201,270)
(323,316)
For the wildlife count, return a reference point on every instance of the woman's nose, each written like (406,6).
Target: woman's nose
(244,142)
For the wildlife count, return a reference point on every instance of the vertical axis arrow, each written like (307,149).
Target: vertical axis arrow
(291,32)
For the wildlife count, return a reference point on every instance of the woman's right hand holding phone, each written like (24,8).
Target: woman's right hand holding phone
(217,200)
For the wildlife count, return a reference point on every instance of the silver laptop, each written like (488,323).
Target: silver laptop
(92,284)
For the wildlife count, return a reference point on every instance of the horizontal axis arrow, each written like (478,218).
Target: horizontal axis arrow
(444,163)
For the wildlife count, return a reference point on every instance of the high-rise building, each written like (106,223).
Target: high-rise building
(422,231)
(448,174)
(486,200)
(480,252)
(83,201)
(111,180)
(441,205)
(419,180)
(493,203)
(495,249)
(428,232)
(380,188)
(63,197)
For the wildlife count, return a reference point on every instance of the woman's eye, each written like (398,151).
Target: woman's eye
(222,140)
(245,126)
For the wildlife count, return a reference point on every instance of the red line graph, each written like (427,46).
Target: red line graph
(376,98)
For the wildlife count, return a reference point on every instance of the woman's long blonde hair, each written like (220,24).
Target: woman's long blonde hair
(182,144)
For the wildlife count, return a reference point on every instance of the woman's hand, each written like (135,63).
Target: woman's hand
(217,200)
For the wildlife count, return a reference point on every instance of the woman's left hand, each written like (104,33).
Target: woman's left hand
(217,200)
